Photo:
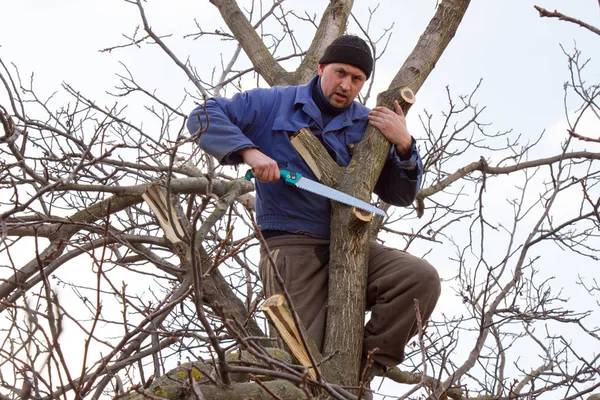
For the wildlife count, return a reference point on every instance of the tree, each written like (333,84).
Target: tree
(86,183)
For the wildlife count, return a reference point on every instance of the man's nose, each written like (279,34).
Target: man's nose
(345,83)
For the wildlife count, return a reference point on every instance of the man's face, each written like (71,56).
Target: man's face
(341,83)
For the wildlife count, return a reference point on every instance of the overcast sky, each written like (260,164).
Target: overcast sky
(503,42)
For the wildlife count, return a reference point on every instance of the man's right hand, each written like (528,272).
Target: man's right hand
(264,168)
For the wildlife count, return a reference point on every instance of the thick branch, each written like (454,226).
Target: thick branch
(285,390)
(61,232)
(332,25)
(125,196)
(262,59)
(431,45)
(179,186)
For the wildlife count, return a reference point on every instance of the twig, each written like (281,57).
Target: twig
(581,137)
(365,373)
(265,388)
(549,14)
(421,343)
(163,46)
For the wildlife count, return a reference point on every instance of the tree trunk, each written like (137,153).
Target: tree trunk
(349,236)
(347,266)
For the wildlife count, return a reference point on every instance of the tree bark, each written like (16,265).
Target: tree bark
(333,24)
(349,236)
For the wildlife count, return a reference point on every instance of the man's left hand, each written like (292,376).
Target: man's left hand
(393,126)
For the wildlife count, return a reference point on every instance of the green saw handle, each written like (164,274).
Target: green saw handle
(290,177)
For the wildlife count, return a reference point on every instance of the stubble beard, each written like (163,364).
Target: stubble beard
(339,100)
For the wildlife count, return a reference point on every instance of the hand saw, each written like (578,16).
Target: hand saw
(296,179)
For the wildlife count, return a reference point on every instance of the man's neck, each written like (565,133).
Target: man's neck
(327,110)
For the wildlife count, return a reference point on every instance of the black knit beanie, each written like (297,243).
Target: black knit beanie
(349,49)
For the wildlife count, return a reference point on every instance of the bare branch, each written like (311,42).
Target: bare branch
(555,14)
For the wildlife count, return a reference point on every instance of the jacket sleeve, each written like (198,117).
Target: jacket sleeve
(222,127)
(400,180)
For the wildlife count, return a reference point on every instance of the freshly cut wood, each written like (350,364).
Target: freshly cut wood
(279,314)
(362,214)
(316,157)
(407,95)
(165,213)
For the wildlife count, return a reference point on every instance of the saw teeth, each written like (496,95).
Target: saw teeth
(336,200)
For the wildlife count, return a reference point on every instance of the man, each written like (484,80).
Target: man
(254,128)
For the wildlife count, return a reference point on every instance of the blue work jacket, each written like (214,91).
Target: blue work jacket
(265,119)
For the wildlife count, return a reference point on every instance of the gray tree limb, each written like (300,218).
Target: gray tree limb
(333,24)
(262,59)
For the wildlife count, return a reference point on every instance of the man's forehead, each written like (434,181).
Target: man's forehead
(349,68)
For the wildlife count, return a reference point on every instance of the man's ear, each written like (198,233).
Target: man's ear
(320,69)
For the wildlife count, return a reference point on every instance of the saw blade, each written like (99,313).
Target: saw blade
(336,195)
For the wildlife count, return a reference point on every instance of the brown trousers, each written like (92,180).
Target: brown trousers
(395,279)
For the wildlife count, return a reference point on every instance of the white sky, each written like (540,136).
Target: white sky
(504,42)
